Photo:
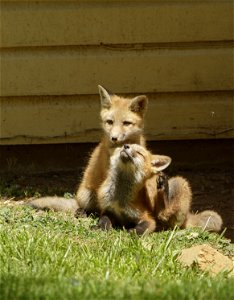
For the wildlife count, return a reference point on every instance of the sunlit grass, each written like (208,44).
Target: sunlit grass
(55,256)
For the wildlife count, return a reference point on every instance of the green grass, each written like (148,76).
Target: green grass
(55,256)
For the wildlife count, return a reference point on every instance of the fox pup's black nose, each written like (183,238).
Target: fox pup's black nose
(126,146)
(114,139)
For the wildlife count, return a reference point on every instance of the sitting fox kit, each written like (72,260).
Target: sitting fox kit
(122,123)
(124,199)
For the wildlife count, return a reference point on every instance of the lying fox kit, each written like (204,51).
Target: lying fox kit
(129,197)
(123,198)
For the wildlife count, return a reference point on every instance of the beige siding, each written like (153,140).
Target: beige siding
(115,22)
(79,71)
(53,55)
(75,118)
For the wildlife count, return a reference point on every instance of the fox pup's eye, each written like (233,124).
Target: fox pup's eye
(140,154)
(109,122)
(127,123)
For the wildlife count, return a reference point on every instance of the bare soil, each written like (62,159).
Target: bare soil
(207,258)
(214,190)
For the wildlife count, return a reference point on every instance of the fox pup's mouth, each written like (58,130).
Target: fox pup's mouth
(125,156)
(116,144)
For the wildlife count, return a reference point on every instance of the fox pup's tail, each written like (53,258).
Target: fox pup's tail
(55,203)
(207,220)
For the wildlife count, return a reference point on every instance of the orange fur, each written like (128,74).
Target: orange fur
(174,208)
(122,122)
(124,199)
(129,195)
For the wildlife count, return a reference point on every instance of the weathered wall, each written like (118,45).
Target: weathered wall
(54,54)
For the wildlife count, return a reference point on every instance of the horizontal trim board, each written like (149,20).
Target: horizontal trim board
(72,119)
(39,23)
(78,71)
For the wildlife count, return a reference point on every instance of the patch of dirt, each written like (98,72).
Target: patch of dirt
(212,189)
(207,259)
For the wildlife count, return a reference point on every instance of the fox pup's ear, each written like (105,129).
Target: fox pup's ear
(105,97)
(139,104)
(159,163)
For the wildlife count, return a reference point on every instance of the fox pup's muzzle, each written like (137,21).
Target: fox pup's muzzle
(126,153)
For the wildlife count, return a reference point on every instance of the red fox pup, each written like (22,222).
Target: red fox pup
(122,122)
(129,196)
(123,197)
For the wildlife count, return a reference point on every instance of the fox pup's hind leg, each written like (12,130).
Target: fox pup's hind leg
(174,200)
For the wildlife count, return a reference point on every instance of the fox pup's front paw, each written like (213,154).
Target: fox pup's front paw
(162,183)
(104,223)
(163,192)
(80,213)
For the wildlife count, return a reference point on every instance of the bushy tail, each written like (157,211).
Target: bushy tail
(207,220)
(55,203)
